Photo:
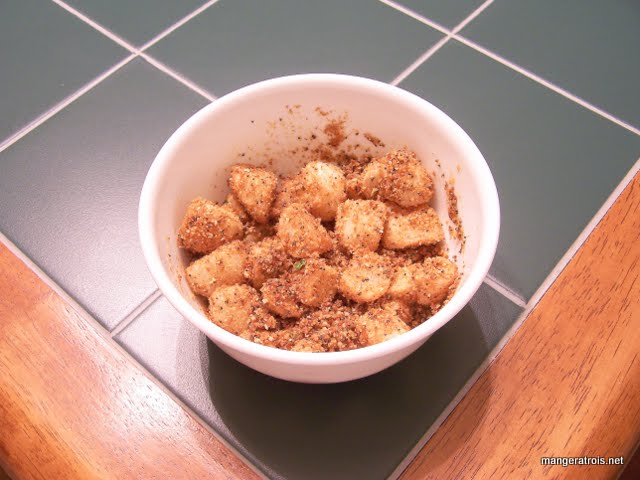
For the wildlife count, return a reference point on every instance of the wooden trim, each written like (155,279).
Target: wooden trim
(72,406)
(568,382)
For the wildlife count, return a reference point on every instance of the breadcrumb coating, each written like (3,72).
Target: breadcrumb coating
(206,226)
(344,254)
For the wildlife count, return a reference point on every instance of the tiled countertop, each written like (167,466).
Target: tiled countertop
(91,90)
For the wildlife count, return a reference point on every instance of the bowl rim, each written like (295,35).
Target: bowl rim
(477,272)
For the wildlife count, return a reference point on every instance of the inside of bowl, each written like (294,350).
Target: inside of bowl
(286,127)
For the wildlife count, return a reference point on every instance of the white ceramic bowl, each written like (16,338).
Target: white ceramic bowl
(266,120)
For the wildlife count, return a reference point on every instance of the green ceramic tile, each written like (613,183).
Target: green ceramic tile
(588,47)
(238,42)
(355,430)
(447,13)
(554,162)
(46,54)
(69,189)
(137,21)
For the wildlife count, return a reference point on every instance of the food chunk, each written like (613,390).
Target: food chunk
(279,297)
(324,185)
(426,283)
(398,177)
(360,224)
(439,280)
(385,322)
(301,233)
(255,189)
(319,186)
(344,254)
(314,282)
(255,232)
(231,307)
(405,282)
(367,184)
(223,266)
(414,229)
(266,259)
(405,181)
(291,191)
(232,203)
(207,225)
(366,278)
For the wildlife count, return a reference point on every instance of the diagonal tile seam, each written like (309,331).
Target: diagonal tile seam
(104,334)
(531,304)
(454,34)
(503,289)
(63,104)
(545,83)
(135,313)
(449,34)
(134,53)
(141,51)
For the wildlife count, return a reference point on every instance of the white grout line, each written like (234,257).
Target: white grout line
(107,33)
(415,16)
(471,44)
(575,246)
(460,395)
(84,89)
(531,304)
(100,330)
(151,377)
(446,412)
(177,25)
(545,83)
(501,288)
(140,52)
(133,314)
(420,60)
(438,45)
(472,16)
(175,75)
(59,106)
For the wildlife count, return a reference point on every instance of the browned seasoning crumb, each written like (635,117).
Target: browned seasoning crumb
(373,139)
(335,131)
(310,278)
(455,230)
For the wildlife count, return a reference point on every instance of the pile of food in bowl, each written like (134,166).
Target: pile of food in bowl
(335,257)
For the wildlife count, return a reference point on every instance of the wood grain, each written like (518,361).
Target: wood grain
(568,383)
(72,406)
